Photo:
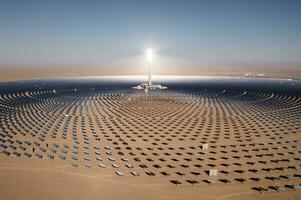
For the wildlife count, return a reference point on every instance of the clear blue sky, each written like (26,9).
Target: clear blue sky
(217,32)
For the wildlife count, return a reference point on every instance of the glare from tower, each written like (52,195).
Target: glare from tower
(149,55)
(149,84)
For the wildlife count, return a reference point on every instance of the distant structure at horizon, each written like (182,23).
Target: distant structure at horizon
(149,85)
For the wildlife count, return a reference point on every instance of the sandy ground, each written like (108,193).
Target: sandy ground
(162,132)
(41,180)
(53,72)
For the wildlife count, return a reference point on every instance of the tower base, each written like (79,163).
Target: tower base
(145,86)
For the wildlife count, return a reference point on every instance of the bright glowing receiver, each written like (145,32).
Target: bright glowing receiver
(149,55)
(149,85)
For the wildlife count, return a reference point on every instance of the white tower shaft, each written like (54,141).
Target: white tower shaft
(149,64)
(149,85)
(149,73)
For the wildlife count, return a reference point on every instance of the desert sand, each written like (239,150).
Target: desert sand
(15,73)
(70,144)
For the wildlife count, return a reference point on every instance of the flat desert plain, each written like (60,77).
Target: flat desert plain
(127,144)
